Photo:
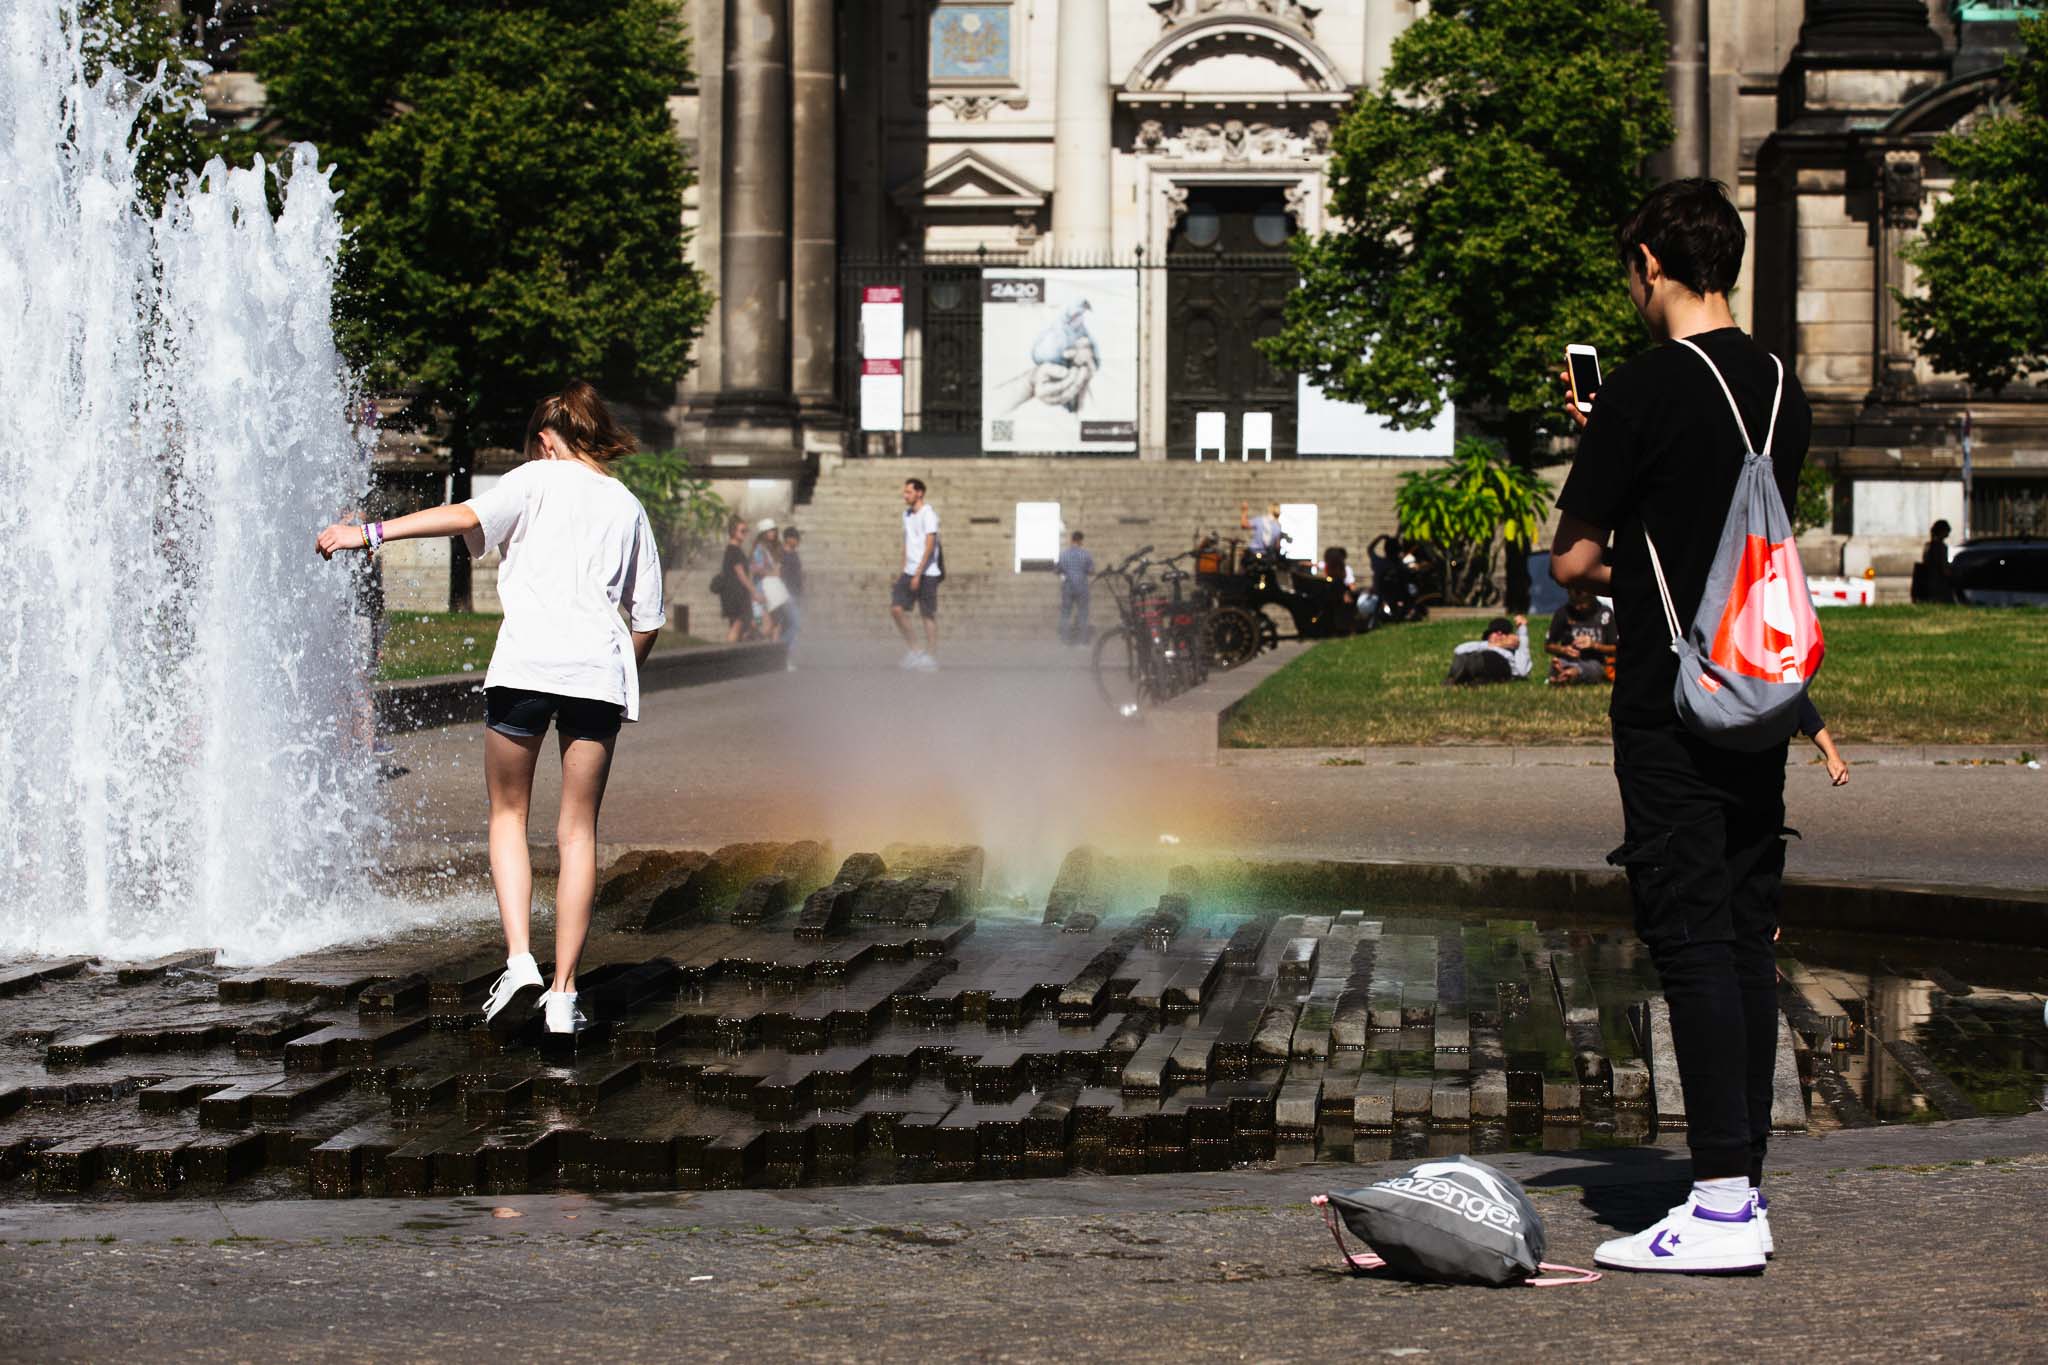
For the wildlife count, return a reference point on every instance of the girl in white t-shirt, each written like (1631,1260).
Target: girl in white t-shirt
(575,551)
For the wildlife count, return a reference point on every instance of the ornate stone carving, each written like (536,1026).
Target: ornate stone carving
(1902,189)
(1234,142)
(1173,12)
(1297,204)
(970,107)
(1176,205)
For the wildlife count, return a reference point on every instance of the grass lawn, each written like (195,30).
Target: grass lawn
(1904,674)
(420,644)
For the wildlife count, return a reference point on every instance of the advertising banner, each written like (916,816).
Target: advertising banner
(1059,360)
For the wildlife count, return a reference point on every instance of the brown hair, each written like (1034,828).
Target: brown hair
(584,423)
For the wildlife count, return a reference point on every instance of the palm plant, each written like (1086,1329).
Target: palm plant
(1468,509)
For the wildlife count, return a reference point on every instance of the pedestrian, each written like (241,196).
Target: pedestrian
(574,549)
(1266,533)
(1703,825)
(917,587)
(766,566)
(1076,569)
(735,583)
(1932,580)
(793,579)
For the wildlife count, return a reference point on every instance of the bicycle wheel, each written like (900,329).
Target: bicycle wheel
(1119,672)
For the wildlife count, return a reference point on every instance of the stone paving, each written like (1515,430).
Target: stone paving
(771,1014)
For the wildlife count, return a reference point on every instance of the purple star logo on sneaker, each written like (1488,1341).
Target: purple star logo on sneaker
(1663,1242)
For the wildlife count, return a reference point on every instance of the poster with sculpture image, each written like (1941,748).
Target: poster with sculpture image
(1059,360)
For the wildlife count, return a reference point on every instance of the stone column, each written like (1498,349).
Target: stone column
(754,240)
(1900,191)
(1685,82)
(1081,139)
(814,168)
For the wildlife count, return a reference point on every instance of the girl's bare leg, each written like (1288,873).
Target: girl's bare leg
(508,775)
(586,764)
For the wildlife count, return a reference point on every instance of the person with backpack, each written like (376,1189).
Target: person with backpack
(1705,420)
(580,578)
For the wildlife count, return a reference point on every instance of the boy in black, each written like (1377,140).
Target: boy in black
(1581,640)
(1703,825)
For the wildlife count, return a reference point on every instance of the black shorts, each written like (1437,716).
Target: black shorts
(924,597)
(520,714)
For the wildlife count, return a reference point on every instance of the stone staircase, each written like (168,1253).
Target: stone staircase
(853,538)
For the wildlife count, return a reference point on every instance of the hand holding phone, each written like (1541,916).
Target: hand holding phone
(1582,368)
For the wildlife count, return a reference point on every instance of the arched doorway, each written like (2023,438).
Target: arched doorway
(1227,279)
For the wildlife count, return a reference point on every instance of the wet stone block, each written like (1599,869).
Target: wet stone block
(400,995)
(179,1092)
(82,1048)
(219,1159)
(734,1160)
(29,976)
(827,911)
(69,1166)
(268,1037)
(229,1108)
(278,1103)
(158,1166)
(764,899)
(142,973)
(1297,966)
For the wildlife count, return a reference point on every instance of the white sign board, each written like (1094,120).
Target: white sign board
(1059,360)
(1258,435)
(1209,435)
(881,395)
(881,322)
(1038,533)
(1324,426)
(1298,524)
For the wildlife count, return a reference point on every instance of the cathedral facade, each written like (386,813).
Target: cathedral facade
(1147,161)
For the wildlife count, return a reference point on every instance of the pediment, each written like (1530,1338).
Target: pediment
(970,179)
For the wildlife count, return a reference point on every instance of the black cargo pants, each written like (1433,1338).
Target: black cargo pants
(1704,849)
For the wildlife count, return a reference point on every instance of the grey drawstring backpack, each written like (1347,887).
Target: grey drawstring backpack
(1755,641)
(1458,1221)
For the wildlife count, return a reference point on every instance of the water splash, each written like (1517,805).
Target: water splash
(181,750)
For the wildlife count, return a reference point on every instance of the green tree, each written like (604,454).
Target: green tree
(687,516)
(1470,509)
(1476,194)
(1983,260)
(513,192)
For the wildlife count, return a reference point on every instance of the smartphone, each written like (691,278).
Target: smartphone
(1583,362)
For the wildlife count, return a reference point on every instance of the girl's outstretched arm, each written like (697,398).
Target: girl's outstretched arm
(453,519)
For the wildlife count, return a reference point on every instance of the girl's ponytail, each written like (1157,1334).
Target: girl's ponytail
(581,419)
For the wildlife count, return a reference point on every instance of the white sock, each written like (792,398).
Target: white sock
(1729,1195)
(517,960)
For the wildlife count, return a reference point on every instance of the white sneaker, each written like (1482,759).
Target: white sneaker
(1691,1239)
(926,663)
(910,659)
(558,1008)
(520,972)
(1763,1222)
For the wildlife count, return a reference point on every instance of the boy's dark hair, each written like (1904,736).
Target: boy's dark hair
(1940,530)
(918,484)
(1077,537)
(1500,625)
(791,533)
(1692,229)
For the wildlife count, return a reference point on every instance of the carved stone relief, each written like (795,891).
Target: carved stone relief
(1174,12)
(1233,142)
(1902,189)
(970,107)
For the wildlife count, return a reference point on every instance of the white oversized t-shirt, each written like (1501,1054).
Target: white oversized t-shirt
(916,526)
(574,548)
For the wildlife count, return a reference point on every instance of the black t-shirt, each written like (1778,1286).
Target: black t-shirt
(793,572)
(1662,452)
(1597,623)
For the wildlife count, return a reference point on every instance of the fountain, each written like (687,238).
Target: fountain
(182,673)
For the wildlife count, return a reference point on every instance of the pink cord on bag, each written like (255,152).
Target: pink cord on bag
(1362,1261)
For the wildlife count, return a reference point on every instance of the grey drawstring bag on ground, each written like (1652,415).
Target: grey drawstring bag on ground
(1755,641)
(1458,1221)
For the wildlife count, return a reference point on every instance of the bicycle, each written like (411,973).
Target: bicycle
(1155,652)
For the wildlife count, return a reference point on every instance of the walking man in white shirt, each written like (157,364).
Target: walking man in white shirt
(917,588)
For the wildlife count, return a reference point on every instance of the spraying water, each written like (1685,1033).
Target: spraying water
(181,755)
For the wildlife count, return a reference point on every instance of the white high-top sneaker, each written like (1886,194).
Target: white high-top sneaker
(520,972)
(1691,1239)
(1763,1222)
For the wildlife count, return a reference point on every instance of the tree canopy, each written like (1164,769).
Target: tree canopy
(1983,259)
(1477,193)
(512,188)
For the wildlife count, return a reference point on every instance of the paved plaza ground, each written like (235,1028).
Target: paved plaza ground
(1010,747)
(1917,1242)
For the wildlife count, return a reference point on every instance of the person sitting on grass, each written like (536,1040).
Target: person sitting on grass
(1502,656)
(1814,728)
(1581,640)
